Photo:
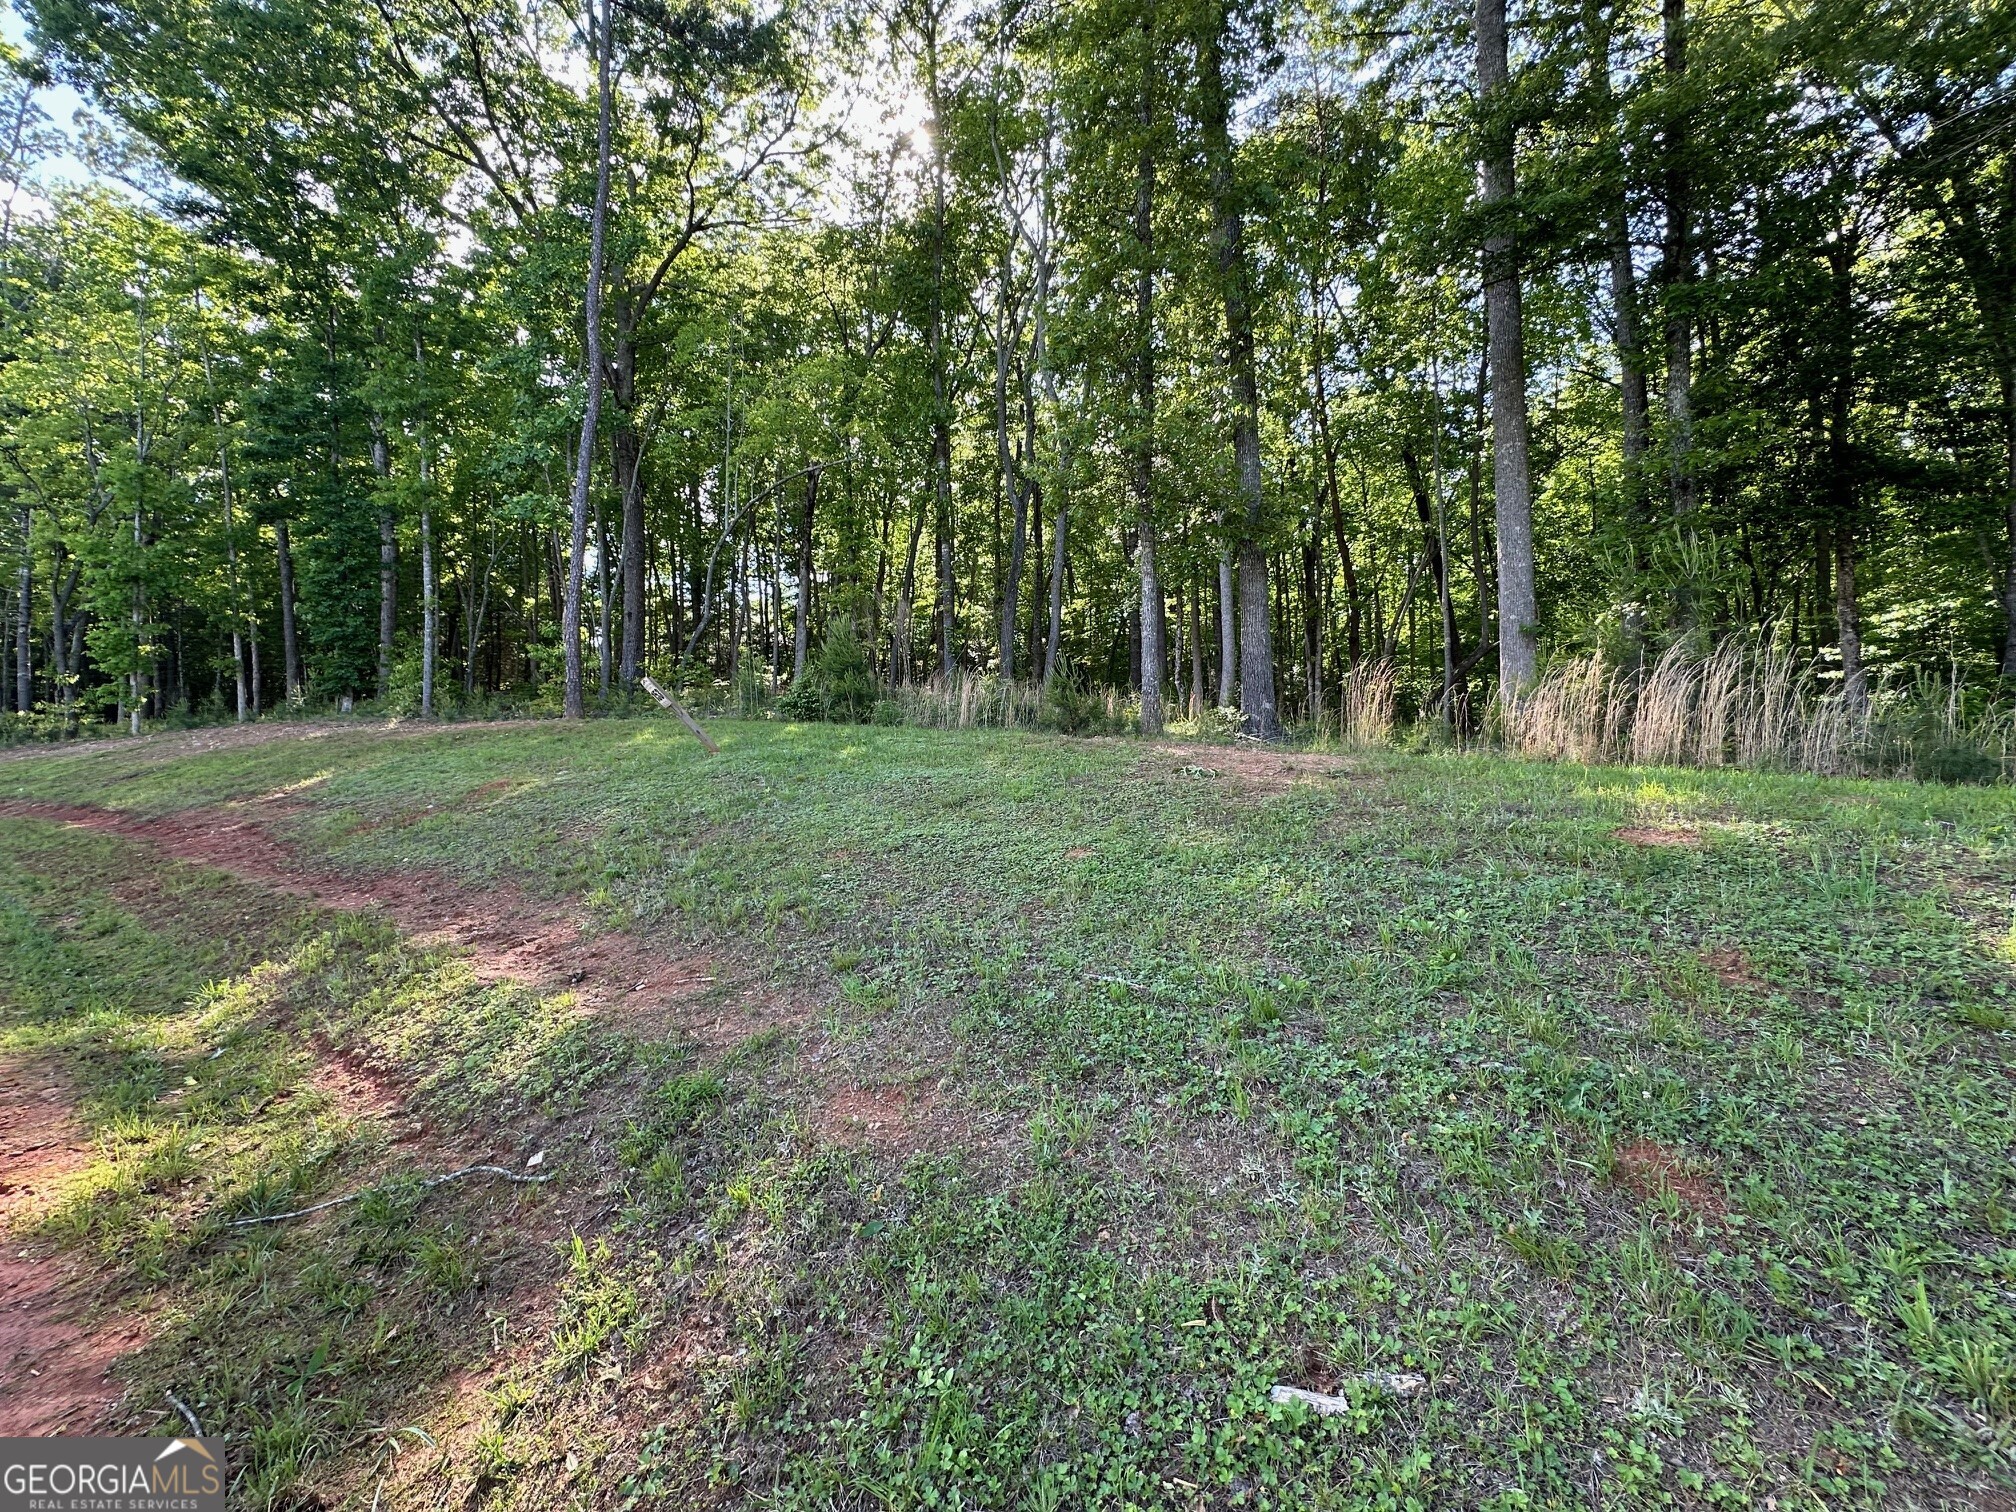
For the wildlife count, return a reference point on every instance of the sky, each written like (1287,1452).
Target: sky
(61,103)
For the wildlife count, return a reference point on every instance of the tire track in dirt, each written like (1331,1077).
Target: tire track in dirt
(54,1368)
(62,1332)
(506,934)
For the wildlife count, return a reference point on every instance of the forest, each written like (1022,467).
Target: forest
(1253,364)
(1541,473)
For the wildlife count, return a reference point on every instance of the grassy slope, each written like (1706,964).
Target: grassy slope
(1415,1067)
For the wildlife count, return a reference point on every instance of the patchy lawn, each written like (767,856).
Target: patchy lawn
(945,1119)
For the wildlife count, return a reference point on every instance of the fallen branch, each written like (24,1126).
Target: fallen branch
(1400,1383)
(187,1416)
(426,1186)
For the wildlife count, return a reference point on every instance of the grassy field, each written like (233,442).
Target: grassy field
(963,1119)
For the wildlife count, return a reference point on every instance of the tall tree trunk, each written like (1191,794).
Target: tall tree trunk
(941,399)
(1228,650)
(290,640)
(1053,643)
(577,550)
(388,556)
(1196,710)
(1039,588)
(1600,27)
(1144,390)
(1678,272)
(1016,486)
(239,667)
(627,454)
(135,708)
(430,598)
(1842,502)
(1259,716)
(430,608)
(1428,511)
(1312,624)
(901,651)
(24,655)
(605,623)
(2008,381)
(1354,627)
(1848,620)
(800,629)
(1518,611)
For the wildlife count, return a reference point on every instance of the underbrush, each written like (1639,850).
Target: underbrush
(1759,707)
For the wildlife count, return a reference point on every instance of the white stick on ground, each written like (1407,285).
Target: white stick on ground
(1400,1383)
(426,1186)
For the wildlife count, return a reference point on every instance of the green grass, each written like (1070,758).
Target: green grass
(1215,1087)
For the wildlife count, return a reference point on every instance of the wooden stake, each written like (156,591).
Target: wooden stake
(671,704)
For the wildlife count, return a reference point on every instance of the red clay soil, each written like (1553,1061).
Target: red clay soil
(1657,835)
(1732,968)
(57,1344)
(507,935)
(1259,768)
(53,1369)
(1647,1168)
(902,1119)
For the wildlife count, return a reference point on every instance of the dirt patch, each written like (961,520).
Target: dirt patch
(1078,853)
(54,1370)
(1647,1168)
(899,1119)
(507,935)
(1732,968)
(1255,767)
(1658,836)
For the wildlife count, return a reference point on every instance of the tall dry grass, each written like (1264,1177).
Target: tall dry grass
(970,700)
(1755,706)
(1365,711)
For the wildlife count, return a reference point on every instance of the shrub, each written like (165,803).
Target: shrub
(1072,708)
(839,683)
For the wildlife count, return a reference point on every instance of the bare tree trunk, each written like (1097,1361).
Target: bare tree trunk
(1848,620)
(1228,651)
(627,454)
(2008,379)
(231,572)
(430,609)
(290,642)
(1053,644)
(1354,625)
(1623,272)
(1011,480)
(1259,716)
(1152,656)
(430,603)
(135,708)
(901,650)
(1678,274)
(1841,256)
(388,559)
(1196,710)
(577,550)
(800,629)
(941,414)
(24,577)
(1518,612)
(603,625)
